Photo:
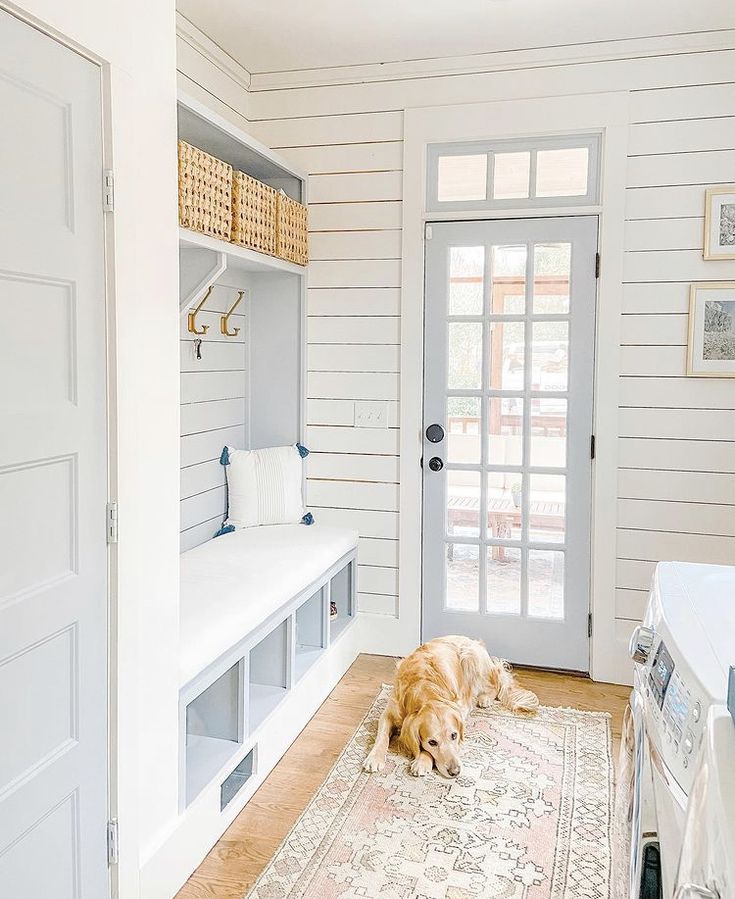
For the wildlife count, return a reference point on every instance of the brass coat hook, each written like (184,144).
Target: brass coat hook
(223,324)
(192,324)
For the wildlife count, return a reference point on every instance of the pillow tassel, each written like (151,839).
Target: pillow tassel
(303,451)
(225,529)
(307,519)
(224,458)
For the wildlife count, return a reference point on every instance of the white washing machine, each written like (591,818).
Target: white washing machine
(707,862)
(683,652)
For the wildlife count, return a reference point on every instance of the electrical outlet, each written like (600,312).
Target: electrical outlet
(371,415)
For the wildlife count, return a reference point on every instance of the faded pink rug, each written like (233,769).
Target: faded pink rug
(529,817)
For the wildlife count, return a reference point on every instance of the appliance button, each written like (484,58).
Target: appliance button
(685,761)
(696,712)
(688,743)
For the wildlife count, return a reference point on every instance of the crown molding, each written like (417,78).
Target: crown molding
(212,52)
(497,61)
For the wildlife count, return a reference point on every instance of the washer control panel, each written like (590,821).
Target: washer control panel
(677,713)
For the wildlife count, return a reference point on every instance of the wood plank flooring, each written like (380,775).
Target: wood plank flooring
(238,858)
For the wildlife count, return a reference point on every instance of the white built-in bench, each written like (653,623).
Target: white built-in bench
(254,617)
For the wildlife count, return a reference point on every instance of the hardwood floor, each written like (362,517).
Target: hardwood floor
(238,858)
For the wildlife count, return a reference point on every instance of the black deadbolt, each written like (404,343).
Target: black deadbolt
(436,464)
(435,433)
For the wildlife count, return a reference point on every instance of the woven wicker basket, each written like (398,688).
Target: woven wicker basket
(292,232)
(205,192)
(254,210)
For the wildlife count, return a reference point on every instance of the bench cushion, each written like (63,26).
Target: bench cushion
(230,585)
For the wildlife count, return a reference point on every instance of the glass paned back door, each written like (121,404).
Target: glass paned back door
(508,392)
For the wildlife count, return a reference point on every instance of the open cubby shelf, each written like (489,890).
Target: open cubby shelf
(222,715)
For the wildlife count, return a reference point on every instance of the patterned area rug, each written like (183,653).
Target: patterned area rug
(529,817)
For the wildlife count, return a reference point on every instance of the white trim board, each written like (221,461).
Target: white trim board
(607,113)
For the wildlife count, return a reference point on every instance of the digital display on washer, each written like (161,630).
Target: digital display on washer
(660,675)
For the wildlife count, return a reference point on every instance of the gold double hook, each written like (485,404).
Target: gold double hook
(224,321)
(192,324)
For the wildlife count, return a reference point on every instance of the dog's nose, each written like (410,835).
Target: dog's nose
(453,770)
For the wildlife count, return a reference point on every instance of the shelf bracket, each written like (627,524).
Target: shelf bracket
(199,269)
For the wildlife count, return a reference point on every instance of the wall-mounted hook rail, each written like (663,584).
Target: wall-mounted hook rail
(192,323)
(224,321)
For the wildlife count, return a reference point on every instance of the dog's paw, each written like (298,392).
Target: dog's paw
(420,767)
(373,763)
(485,700)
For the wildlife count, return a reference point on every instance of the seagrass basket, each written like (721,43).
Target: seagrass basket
(292,232)
(205,192)
(254,211)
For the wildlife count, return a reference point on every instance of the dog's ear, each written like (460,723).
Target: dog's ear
(459,724)
(410,736)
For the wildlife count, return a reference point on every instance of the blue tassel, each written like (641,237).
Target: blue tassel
(303,451)
(307,519)
(224,458)
(225,529)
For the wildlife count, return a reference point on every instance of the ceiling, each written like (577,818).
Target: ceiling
(281,35)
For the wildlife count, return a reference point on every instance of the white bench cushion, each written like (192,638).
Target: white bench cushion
(231,584)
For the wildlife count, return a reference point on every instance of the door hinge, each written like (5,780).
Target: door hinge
(597,265)
(108,190)
(589,625)
(592,446)
(112,522)
(428,233)
(113,846)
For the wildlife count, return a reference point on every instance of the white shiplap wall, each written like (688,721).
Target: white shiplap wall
(677,435)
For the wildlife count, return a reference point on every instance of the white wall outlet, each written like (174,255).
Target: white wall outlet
(371,415)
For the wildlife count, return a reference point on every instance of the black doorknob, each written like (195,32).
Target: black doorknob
(435,433)
(436,464)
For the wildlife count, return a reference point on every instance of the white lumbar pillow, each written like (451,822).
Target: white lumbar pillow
(264,486)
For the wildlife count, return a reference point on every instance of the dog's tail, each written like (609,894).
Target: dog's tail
(510,694)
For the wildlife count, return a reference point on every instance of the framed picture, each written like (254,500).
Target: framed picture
(719,222)
(711,351)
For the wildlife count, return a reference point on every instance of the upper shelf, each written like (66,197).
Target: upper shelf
(238,258)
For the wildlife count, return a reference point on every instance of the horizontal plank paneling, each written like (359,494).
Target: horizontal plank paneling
(367,523)
(372,579)
(630,604)
(677,393)
(353,357)
(205,447)
(200,386)
(367,157)
(680,265)
(215,357)
(664,202)
(684,486)
(679,424)
(681,168)
(657,361)
(354,301)
(664,234)
(355,216)
(649,330)
(676,455)
(373,551)
(355,187)
(342,129)
(354,386)
(682,102)
(355,273)
(656,297)
(352,495)
(353,467)
(377,604)
(357,329)
(203,507)
(355,244)
(353,440)
(687,518)
(665,545)
(682,136)
(634,574)
(199,478)
(199,533)
(342,412)
(197,417)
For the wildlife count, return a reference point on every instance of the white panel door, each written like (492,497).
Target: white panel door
(53,473)
(508,371)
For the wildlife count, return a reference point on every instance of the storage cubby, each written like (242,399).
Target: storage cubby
(342,594)
(236,780)
(310,636)
(214,729)
(268,674)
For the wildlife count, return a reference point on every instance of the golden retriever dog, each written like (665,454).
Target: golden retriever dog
(436,688)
